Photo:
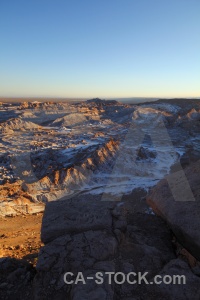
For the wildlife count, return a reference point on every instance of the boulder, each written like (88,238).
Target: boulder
(183,217)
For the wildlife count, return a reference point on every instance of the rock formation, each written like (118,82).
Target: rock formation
(182,216)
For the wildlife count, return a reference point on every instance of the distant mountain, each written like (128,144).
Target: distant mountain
(100,101)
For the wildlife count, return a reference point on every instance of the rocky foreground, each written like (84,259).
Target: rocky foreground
(94,226)
(89,235)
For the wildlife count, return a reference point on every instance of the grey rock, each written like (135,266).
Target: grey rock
(73,216)
(189,290)
(91,290)
(101,244)
(182,216)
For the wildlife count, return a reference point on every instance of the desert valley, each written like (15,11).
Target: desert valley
(106,183)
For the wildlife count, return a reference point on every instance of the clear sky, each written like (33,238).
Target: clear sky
(100,48)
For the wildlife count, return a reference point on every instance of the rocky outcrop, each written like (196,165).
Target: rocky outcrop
(87,235)
(182,216)
(62,181)
(16,124)
(15,201)
(72,119)
(145,153)
(49,105)
(69,180)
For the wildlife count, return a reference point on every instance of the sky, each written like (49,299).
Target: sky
(106,49)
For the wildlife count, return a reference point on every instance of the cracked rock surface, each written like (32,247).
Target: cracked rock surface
(103,236)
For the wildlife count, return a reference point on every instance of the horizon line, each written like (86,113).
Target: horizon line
(103,98)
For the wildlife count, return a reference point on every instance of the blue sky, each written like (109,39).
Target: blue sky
(107,48)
